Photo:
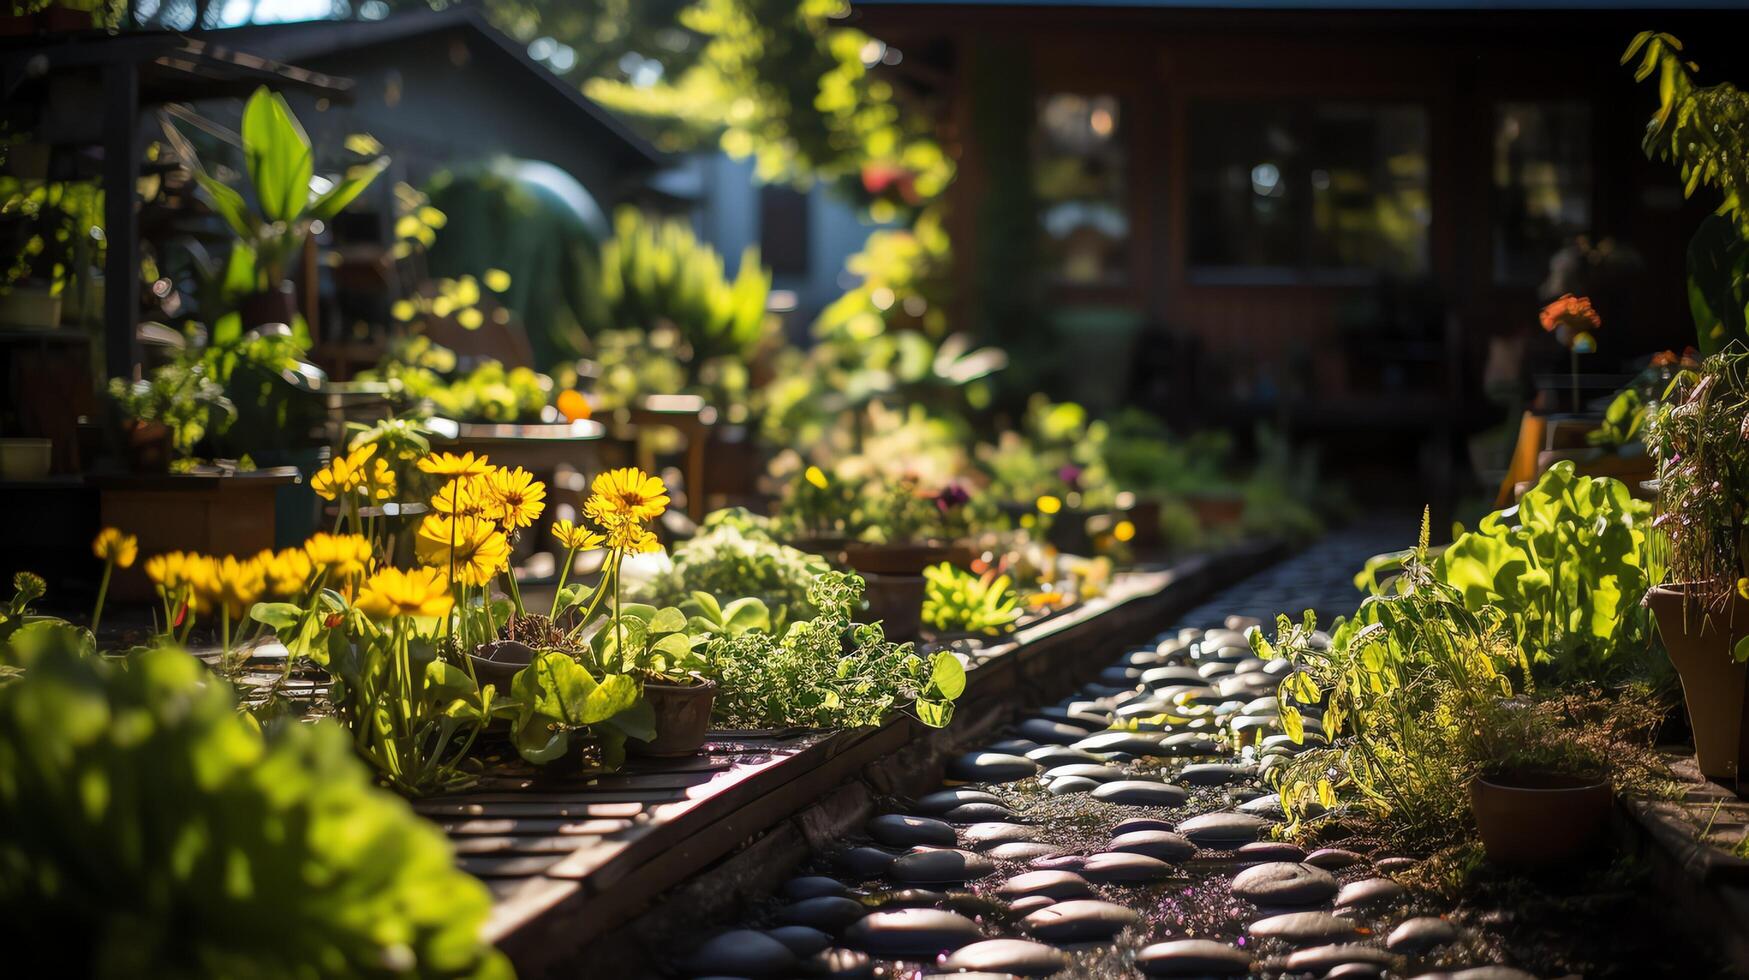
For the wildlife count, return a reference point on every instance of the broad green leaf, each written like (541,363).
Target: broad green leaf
(667,620)
(229,205)
(279,615)
(947,676)
(347,189)
(278,156)
(935,714)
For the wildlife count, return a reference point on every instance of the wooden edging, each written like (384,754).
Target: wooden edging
(692,854)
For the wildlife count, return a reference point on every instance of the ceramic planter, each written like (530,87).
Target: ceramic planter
(683,716)
(498,662)
(894,577)
(1715,686)
(1538,819)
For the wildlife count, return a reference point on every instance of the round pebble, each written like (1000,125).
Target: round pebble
(812,886)
(841,964)
(1420,934)
(1086,770)
(1211,774)
(743,952)
(1393,865)
(801,940)
(1051,884)
(911,932)
(1271,850)
(1023,851)
(1128,743)
(1305,927)
(1030,904)
(902,831)
(1224,829)
(1333,858)
(1193,958)
(1052,756)
(1122,866)
(1368,891)
(978,813)
(1047,732)
(827,912)
(1140,792)
(982,835)
(1079,919)
(1283,883)
(1162,844)
(1142,823)
(1320,958)
(991,767)
(1068,785)
(944,800)
(1019,957)
(943,866)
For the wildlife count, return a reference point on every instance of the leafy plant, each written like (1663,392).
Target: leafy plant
(735,554)
(1059,452)
(1400,687)
(1698,437)
(1567,571)
(557,700)
(149,819)
(280,165)
(427,383)
(182,396)
(1624,421)
(957,601)
(829,672)
(1704,131)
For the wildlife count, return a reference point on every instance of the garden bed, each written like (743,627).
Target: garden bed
(571,861)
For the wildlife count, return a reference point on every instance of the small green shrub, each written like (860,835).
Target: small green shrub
(151,831)
(956,601)
(735,555)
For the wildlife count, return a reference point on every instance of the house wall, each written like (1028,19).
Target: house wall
(1456,66)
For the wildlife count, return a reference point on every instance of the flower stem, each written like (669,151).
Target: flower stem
(102,593)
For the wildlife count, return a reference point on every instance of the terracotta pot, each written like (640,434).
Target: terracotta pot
(1538,819)
(146,445)
(1715,686)
(683,716)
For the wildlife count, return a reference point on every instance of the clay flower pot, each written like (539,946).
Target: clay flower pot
(893,574)
(1540,819)
(146,446)
(1715,686)
(683,716)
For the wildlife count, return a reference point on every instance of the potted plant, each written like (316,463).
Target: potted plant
(1703,485)
(1541,799)
(165,416)
(280,164)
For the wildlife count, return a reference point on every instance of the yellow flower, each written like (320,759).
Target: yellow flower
(344,474)
(169,571)
(113,546)
(1048,504)
(288,571)
(1124,531)
(631,537)
(380,485)
(201,574)
(464,496)
(392,592)
(573,537)
(342,556)
(240,584)
(816,476)
(448,464)
(627,492)
(473,547)
(518,496)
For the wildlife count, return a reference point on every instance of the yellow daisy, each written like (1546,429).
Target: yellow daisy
(169,571)
(288,571)
(574,537)
(464,496)
(451,465)
(627,492)
(631,537)
(343,474)
(240,584)
(518,496)
(341,555)
(391,593)
(471,546)
(113,546)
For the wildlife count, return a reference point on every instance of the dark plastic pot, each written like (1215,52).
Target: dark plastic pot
(146,446)
(1715,687)
(902,559)
(683,716)
(1539,819)
(497,662)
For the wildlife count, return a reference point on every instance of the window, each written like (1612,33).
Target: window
(1542,185)
(1078,178)
(783,230)
(1311,191)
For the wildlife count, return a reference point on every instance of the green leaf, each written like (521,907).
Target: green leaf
(947,676)
(278,156)
(278,615)
(229,205)
(667,620)
(935,714)
(346,190)
(747,613)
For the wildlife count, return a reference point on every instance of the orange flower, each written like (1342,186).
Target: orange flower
(573,406)
(1573,312)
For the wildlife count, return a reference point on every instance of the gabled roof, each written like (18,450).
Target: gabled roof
(304,40)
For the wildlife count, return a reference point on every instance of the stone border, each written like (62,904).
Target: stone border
(742,842)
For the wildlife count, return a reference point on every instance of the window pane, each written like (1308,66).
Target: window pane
(1307,190)
(1542,184)
(1078,175)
